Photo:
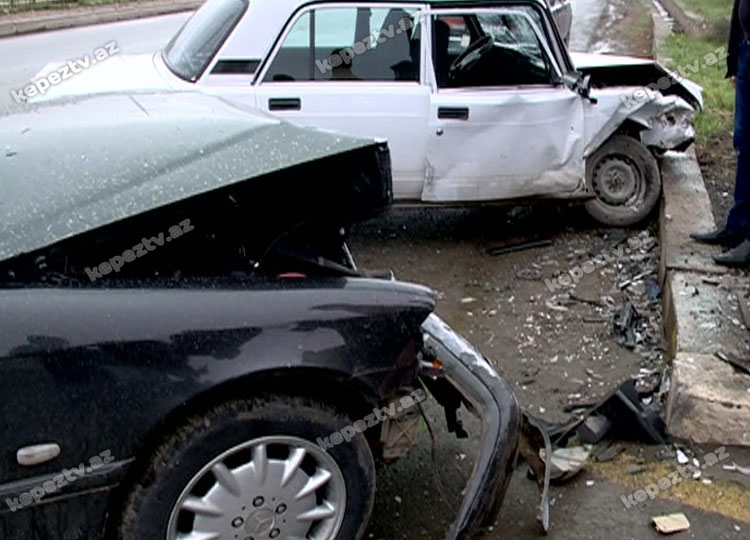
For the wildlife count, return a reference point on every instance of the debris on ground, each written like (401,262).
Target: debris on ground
(608,453)
(744,304)
(666,453)
(519,246)
(624,409)
(555,304)
(566,462)
(635,469)
(625,323)
(738,364)
(594,428)
(672,523)
(736,468)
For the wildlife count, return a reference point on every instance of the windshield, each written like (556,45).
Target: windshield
(196,43)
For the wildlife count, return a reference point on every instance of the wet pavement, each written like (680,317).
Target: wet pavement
(550,356)
(612,26)
(587,15)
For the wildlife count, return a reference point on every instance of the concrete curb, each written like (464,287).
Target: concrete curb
(691,23)
(29,22)
(709,402)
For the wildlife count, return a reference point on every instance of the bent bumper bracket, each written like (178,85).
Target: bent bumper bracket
(493,401)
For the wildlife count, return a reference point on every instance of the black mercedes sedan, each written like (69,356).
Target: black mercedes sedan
(188,350)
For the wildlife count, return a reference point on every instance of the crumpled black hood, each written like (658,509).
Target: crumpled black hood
(74,165)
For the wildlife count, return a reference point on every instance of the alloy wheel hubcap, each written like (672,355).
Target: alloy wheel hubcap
(271,487)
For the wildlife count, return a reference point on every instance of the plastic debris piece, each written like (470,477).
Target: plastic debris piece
(736,468)
(672,523)
(566,462)
(610,453)
(594,429)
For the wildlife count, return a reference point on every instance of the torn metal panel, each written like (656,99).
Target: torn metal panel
(670,121)
(513,144)
(667,121)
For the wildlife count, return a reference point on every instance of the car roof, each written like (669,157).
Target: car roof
(441,3)
(76,164)
(293,5)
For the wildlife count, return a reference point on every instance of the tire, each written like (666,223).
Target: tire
(208,467)
(624,176)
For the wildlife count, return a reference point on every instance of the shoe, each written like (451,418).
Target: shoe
(739,256)
(720,237)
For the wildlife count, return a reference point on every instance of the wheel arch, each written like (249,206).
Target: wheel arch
(630,128)
(336,389)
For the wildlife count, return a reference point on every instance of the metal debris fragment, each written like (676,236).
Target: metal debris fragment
(625,324)
(519,246)
(740,364)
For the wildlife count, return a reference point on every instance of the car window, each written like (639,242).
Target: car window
(354,44)
(192,48)
(512,56)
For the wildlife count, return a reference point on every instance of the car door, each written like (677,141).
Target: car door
(356,69)
(505,126)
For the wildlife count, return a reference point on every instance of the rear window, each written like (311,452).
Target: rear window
(352,44)
(192,48)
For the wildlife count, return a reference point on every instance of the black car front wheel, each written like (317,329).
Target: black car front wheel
(254,470)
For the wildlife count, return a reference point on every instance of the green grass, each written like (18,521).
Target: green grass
(711,9)
(718,94)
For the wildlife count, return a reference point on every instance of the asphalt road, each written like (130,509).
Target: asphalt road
(23,56)
(586,17)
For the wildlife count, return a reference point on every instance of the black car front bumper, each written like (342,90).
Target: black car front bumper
(492,400)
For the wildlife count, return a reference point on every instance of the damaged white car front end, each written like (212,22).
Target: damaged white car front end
(662,123)
(660,104)
(669,123)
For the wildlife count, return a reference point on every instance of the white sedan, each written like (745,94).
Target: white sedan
(479,102)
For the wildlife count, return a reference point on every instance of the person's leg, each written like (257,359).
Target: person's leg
(737,227)
(738,221)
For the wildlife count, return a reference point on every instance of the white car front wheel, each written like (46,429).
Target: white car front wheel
(625,179)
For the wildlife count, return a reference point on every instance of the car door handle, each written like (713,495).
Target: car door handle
(284,104)
(453,113)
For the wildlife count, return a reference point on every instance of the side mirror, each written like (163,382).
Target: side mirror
(584,89)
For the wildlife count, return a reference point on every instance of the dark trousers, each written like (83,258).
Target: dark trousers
(738,221)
